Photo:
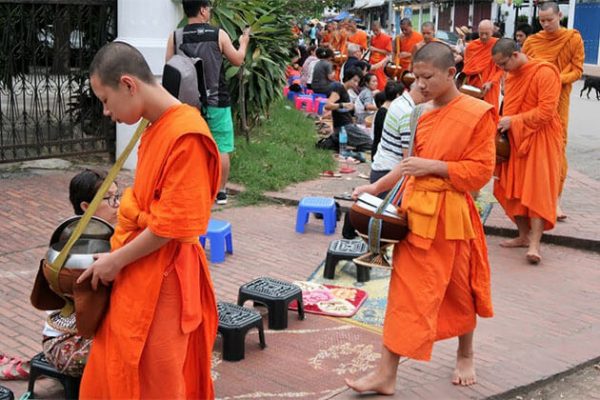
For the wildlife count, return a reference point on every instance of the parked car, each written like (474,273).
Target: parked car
(447,37)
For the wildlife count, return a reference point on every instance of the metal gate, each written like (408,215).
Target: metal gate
(587,22)
(47,108)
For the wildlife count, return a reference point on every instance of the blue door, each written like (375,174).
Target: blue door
(587,22)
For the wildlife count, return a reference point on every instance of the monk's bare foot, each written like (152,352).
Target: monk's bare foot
(373,382)
(464,374)
(533,257)
(516,242)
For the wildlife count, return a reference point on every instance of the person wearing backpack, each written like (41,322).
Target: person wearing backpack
(201,40)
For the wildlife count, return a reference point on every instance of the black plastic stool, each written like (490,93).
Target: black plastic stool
(276,295)
(344,249)
(234,323)
(40,366)
(6,393)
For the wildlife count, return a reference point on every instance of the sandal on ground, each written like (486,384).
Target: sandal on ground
(561,218)
(330,174)
(16,369)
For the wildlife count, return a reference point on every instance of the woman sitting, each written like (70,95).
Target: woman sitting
(364,104)
(65,350)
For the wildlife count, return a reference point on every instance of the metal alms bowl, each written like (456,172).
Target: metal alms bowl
(97,228)
(82,252)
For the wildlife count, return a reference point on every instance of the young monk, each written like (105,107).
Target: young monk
(441,276)
(563,48)
(428,33)
(381,48)
(527,185)
(481,70)
(405,43)
(156,339)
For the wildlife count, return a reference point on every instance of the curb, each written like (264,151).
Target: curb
(510,394)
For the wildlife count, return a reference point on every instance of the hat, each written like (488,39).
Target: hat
(463,30)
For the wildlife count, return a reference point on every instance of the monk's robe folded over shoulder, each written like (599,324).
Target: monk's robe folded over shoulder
(406,44)
(563,49)
(528,183)
(383,42)
(441,275)
(360,38)
(481,68)
(176,181)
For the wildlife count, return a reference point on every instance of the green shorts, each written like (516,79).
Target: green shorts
(220,124)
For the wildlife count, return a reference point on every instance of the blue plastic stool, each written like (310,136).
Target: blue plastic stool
(319,205)
(292,95)
(219,234)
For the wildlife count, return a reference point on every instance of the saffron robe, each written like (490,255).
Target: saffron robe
(481,68)
(176,182)
(360,38)
(528,183)
(406,44)
(383,42)
(441,275)
(563,49)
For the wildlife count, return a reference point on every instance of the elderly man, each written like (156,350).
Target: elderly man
(563,48)
(381,48)
(405,43)
(480,68)
(527,184)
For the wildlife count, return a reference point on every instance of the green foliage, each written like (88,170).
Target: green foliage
(281,151)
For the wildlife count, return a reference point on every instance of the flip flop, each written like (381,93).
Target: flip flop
(363,176)
(347,170)
(330,174)
(561,218)
(16,369)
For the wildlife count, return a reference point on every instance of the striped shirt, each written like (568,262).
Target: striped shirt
(395,135)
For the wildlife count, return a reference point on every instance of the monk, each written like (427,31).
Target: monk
(481,70)
(357,36)
(327,35)
(381,48)
(563,48)
(441,276)
(156,339)
(405,43)
(527,184)
(428,33)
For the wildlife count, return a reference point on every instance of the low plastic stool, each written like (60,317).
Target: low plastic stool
(234,323)
(6,393)
(292,95)
(344,249)
(40,366)
(319,205)
(276,295)
(304,102)
(319,104)
(219,234)
(308,91)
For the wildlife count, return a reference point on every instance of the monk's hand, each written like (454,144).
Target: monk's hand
(363,189)
(486,87)
(504,124)
(104,269)
(417,166)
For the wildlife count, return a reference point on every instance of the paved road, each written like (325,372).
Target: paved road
(583,149)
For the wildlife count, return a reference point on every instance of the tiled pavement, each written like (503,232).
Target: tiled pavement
(547,318)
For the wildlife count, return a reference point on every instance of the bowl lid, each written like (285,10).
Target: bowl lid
(97,228)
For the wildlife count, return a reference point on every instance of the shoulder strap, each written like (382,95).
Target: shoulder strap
(414,121)
(177,38)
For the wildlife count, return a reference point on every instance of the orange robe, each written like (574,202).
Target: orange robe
(384,42)
(326,38)
(176,182)
(564,49)
(441,275)
(406,43)
(360,38)
(481,68)
(528,182)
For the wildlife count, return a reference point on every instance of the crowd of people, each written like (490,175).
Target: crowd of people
(159,345)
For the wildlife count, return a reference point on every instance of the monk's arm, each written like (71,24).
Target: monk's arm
(548,83)
(477,165)
(575,69)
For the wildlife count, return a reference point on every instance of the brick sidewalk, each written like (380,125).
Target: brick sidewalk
(547,318)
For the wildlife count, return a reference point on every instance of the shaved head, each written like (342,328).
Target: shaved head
(116,59)
(428,25)
(505,46)
(406,21)
(486,30)
(549,5)
(486,23)
(437,54)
